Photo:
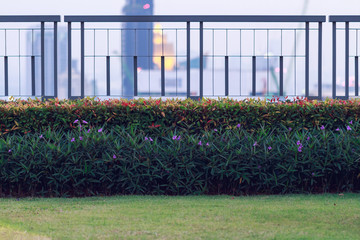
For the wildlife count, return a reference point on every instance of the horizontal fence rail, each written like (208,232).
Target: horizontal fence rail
(199,65)
(42,19)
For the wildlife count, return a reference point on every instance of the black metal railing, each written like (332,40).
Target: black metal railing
(346,20)
(308,24)
(201,20)
(42,19)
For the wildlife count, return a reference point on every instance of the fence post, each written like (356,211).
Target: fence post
(69,60)
(320,61)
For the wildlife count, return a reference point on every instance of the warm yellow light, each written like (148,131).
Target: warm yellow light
(169,63)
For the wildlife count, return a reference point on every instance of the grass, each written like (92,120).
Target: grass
(328,216)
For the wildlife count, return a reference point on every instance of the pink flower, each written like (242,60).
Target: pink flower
(150,139)
(9,151)
(73,140)
(100,130)
(114,156)
(255,144)
(85,122)
(207,144)
(351,122)
(348,128)
(80,138)
(199,143)
(215,130)
(337,129)
(322,127)
(41,136)
(89,130)
(76,121)
(146,139)
(269,148)
(174,137)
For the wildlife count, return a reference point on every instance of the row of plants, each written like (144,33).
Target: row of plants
(160,118)
(94,160)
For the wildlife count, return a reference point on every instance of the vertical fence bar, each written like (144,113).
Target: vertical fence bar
(281,93)
(334,60)
(162,76)
(42,59)
(356,76)
(347,60)
(6,75)
(226,76)
(55,61)
(254,76)
(69,60)
(107,75)
(320,61)
(135,77)
(188,59)
(82,59)
(201,59)
(33,75)
(307,58)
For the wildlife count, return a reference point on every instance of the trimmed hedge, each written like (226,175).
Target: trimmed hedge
(159,118)
(107,161)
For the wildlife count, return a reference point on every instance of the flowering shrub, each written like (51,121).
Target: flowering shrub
(227,161)
(160,118)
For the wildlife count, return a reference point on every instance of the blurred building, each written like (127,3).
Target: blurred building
(137,40)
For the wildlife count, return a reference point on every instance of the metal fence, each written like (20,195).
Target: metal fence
(31,19)
(346,20)
(270,64)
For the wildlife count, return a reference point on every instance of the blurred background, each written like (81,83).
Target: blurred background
(150,41)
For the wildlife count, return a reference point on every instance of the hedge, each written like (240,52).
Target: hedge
(94,160)
(159,117)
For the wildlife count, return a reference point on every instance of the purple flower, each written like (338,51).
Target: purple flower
(259,166)
(308,138)
(269,148)
(322,127)
(146,139)
(207,144)
(255,144)
(150,139)
(85,122)
(89,130)
(80,138)
(351,122)
(73,140)
(174,137)
(238,126)
(80,126)
(298,142)
(313,174)
(299,149)
(9,151)
(41,136)
(348,128)
(76,121)
(337,129)
(215,130)
(114,156)
(178,138)
(290,128)
(199,143)
(100,130)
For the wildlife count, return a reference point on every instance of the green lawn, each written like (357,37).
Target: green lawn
(192,217)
